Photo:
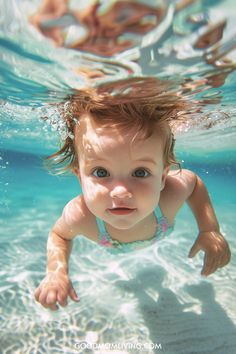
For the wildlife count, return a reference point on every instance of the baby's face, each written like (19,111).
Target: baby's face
(121,179)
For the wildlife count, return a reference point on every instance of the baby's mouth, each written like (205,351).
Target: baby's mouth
(121,211)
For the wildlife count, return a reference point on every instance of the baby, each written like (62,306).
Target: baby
(122,153)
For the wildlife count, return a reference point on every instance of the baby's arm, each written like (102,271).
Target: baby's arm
(56,286)
(209,240)
(187,186)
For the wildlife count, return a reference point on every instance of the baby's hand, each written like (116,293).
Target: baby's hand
(55,288)
(216,248)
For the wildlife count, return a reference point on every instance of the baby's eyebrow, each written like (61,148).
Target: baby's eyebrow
(91,155)
(90,160)
(147,159)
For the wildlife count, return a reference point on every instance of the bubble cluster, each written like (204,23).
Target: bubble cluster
(58,123)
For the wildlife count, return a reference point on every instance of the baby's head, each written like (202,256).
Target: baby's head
(139,116)
(121,152)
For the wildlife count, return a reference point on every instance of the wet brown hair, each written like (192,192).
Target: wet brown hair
(143,104)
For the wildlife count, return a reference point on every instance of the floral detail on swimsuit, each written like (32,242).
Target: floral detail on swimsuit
(163,224)
(110,243)
(105,242)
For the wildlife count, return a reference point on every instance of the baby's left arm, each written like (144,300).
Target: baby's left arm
(209,240)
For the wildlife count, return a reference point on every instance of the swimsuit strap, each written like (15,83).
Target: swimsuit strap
(104,238)
(162,221)
(158,213)
(101,227)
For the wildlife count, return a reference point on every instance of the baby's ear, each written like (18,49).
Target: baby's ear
(164,175)
(76,172)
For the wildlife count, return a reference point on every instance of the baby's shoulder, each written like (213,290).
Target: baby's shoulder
(78,217)
(75,207)
(180,181)
(178,187)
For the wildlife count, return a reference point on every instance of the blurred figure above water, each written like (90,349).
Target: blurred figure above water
(108,30)
(188,42)
(99,29)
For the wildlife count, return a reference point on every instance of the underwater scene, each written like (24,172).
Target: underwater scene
(149,301)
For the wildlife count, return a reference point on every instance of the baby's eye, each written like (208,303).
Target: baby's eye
(100,172)
(141,173)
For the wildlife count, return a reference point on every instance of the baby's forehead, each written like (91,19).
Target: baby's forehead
(91,125)
(96,140)
(92,140)
(95,131)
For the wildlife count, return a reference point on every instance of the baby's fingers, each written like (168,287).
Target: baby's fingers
(223,261)
(73,295)
(62,298)
(48,299)
(210,265)
(53,307)
(37,294)
(194,250)
(225,258)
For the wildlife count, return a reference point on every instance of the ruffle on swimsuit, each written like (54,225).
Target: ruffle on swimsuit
(105,240)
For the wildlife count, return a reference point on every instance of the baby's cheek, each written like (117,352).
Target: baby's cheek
(92,191)
(149,192)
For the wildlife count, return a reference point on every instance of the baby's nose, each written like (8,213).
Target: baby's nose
(120,192)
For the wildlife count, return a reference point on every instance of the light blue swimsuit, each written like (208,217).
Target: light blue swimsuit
(105,240)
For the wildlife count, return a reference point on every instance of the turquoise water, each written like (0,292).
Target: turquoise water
(154,297)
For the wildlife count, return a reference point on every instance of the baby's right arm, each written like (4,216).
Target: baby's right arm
(56,286)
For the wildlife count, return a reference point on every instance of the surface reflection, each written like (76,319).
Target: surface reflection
(164,38)
(100,29)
